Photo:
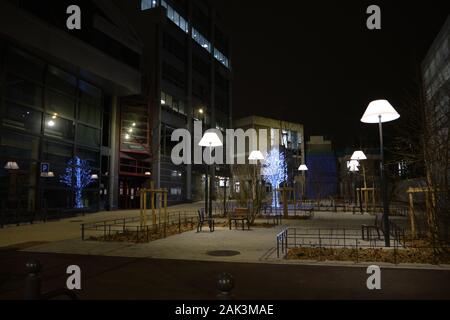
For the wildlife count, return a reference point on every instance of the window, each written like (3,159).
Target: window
(23,91)
(61,81)
(201,40)
(60,128)
(172,103)
(148,4)
(175,17)
(221,58)
(21,118)
(60,104)
(88,136)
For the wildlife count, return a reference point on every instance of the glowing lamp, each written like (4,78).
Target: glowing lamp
(256,155)
(380,111)
(210,139)
(12,165)
(358,155)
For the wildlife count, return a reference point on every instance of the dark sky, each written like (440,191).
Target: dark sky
(316,63)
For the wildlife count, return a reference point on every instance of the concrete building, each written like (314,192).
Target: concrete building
(288,135)
(322,175)
(187,77)
(436,80)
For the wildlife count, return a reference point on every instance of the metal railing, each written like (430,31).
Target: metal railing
(331,238)
(107,229)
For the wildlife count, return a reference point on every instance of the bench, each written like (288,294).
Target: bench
(239,215)
(377,227)
(307,209)
(202,219)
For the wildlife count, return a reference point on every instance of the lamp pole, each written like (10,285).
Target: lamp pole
(380,111)
(383,186)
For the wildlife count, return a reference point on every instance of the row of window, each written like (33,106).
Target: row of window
(182,23)
(172,103)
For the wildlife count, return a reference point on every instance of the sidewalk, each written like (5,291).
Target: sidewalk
(68,228)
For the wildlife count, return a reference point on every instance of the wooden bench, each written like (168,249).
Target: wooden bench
(239,215)
(377,227)
(307,209)
(202,219)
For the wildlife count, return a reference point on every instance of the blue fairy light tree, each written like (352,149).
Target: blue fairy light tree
(274,171)
(77,176)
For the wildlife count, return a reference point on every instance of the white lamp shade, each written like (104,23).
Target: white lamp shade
(358,155)
(210,139)
(94,176)
(11,165)
(377,109)
(303,168)
(256,155)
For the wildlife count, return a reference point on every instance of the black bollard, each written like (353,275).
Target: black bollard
(33,280)
(225,283)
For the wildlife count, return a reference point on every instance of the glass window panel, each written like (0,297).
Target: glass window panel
(90,114)
(93,157)
(88,136)
(59,128)
(61,104)
(61,80)
(25,65)
(21,118)
(56,153)
(90,94)
(23,91)
(17,146)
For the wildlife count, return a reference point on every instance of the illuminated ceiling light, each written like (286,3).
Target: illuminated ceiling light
(163,101)
(51,123)
(303,167)
(12,165)
(94,176)
(130,130)
(55,115)
(127,137)
(134,124)
(200,111)
(148,173)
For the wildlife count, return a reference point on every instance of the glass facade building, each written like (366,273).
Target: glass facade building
(47,116)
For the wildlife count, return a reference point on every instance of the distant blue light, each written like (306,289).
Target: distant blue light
(77,176)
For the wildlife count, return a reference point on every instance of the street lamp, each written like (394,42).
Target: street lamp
(303,168)
(359,156)
(211,140)
(380,111)
(353,167)
(255,156)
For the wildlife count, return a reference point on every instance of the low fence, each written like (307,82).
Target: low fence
(336,238)
(109,228)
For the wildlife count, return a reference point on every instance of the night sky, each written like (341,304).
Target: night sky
(316,63)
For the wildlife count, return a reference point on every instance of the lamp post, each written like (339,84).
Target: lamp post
(380,111)
(352,166)
(255,156)
(303,168)
(360,156)
(210,140)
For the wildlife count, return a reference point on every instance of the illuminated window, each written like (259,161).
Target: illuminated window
(148,4)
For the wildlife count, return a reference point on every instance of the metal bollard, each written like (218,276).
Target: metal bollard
(225,283)
(33,280)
